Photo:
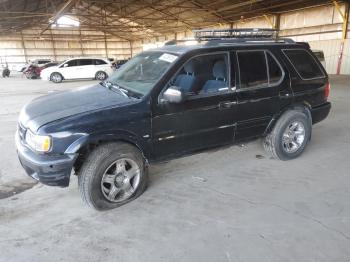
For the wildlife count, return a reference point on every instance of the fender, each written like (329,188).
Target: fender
(302,106)
(109,136)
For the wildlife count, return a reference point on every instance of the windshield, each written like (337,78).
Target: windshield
(143,71)
(61,63)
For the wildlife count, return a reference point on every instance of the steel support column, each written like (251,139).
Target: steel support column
(345,19)
(131,49)
(24,48)
(53,46)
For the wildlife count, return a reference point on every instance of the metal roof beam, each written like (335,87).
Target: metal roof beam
(60,12)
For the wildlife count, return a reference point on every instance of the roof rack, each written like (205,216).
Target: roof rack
(239,35)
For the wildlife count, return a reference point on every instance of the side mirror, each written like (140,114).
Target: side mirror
(65,65)
(173,95)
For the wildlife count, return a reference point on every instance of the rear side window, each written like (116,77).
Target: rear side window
(304,63)
(275,71)
(100,62)
(252,68)
(84,62)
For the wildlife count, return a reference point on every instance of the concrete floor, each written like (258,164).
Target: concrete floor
(233,204)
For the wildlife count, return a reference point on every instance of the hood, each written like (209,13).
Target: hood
(56,106)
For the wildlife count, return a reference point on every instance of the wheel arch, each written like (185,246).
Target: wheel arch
(85,144)
(56,72)
(303,106)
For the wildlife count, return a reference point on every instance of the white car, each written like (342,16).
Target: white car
(78,68)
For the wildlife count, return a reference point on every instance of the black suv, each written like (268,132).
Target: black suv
(175,100)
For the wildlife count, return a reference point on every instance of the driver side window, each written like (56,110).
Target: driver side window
(205,74)
(72,63)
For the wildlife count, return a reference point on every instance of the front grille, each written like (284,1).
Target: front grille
(21,132)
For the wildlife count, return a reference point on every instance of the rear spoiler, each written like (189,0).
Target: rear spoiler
(304,44)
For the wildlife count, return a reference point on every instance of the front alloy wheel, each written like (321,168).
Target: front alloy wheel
(56,78)
(112,175)
(120,180)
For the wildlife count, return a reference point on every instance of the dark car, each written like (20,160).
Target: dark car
(33,71)
(118,63)
(173,101)
(36,62)
(5,71)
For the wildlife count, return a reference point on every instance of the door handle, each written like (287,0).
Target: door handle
(227,104)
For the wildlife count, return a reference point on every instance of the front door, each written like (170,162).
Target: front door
(207,115)
(69,69)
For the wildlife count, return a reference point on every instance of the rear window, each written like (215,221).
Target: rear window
(304,63)
(100,62)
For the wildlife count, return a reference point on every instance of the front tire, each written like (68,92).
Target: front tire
(290,135)
(56,78)
(112,175)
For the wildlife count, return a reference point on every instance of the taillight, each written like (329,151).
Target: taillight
(327,90)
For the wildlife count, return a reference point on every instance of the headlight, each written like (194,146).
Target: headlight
(37,142)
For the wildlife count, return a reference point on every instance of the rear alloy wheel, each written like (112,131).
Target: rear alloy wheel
(290,135)
(100,75)
(56,78)
(293,137)
(112,175)
(28,75)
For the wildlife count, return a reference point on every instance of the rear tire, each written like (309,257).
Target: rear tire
(56,77)
(100,75)
(106,177)
(290,135)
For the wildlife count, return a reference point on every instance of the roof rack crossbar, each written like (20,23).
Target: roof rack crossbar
(239,35)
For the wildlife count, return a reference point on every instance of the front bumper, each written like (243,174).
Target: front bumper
(47,169)
(320,112)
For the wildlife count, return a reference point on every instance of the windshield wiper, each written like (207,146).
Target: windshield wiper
(110,85)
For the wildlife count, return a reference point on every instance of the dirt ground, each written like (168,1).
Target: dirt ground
(233,204)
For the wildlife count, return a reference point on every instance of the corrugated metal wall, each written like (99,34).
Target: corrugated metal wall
(345,67)
(331,50)
(63,44)
(320,26)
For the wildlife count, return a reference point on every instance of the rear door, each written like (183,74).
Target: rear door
(101,65)
(261,77)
